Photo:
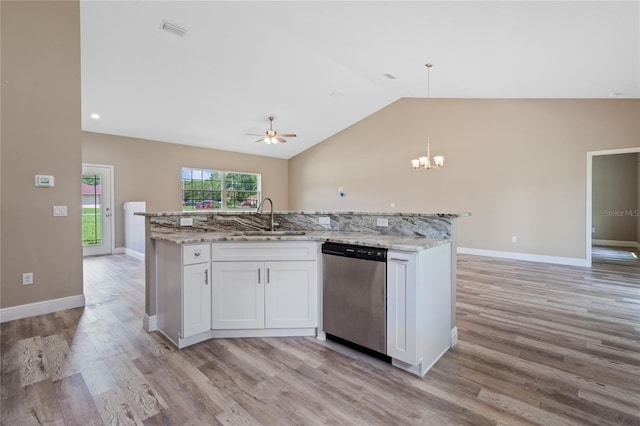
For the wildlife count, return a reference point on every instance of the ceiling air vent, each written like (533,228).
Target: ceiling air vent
(172,28)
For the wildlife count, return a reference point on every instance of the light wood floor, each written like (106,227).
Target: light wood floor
(539,344)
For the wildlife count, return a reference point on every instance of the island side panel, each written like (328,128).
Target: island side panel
(454,268)
(150,297)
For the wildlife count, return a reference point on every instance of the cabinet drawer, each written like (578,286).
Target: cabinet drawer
(196,253)
(264,250)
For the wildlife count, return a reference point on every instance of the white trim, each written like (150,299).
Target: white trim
(264,332)
(454,337)
(419,369)
(41,308)
(133,253)
(589,194)
(119,250)
(570,261)
(614,243)
(149,323)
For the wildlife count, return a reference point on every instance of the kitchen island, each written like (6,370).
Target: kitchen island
(222,274)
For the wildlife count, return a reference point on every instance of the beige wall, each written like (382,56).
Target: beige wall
(615,197)
(638,201)
(40,135)
(149,171)
(519,166)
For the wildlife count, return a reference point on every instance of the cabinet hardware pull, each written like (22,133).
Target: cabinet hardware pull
(196,254)
(399,260)
(206,277)
(268,280)
(258,275)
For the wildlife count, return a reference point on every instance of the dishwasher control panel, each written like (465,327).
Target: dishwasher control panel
(358,252)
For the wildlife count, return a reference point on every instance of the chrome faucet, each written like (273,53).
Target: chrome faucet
(271,228)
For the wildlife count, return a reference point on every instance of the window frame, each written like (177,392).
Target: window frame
(224,189)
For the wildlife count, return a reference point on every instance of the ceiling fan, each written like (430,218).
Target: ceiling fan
(271,136)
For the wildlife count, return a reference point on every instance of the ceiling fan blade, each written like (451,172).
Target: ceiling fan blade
(280,139)
(254,134)
(288,135)
(260,140)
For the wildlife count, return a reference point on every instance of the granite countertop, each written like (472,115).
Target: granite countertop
(392,242)
(291,212)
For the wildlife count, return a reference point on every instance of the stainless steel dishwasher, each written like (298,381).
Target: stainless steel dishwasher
(354,295)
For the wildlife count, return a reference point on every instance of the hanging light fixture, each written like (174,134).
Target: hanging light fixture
(424,163)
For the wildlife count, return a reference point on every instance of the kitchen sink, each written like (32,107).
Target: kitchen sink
(268,233)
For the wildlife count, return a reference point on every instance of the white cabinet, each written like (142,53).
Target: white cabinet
(272,285)
(291,294)
(196,299)
(401,307)
(418,307)
(184,290)
(237,295)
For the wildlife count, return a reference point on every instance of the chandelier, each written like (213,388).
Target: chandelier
(424,162)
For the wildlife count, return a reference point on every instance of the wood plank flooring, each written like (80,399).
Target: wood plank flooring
(539,344)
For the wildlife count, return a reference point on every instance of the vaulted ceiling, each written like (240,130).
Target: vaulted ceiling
(319,67)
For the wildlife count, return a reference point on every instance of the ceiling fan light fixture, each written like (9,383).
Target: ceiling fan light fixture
(271,136)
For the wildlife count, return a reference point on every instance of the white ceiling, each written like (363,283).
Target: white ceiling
(240,62)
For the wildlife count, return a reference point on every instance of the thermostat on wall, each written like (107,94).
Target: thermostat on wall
(44,181)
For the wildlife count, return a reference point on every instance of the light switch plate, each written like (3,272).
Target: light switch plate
(59,210)
(27,278)
(186,221)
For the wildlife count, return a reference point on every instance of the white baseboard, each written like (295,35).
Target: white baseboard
(41,308)
(614,243)
(454,337)
(134,253)
(150,323)
(118,250)
(570,261)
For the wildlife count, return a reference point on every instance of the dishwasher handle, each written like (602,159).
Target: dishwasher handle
(332,252)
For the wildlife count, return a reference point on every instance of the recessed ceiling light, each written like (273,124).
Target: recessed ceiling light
(173,28)
(615,94)
(95,116)
(336,95)
(389,76)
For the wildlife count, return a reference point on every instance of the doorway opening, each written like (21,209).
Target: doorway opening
(589,207)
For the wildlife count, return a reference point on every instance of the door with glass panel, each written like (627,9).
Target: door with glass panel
(97,215)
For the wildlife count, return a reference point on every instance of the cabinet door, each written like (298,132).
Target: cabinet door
(237,295)
(196,299)
(291,294)
(401,307)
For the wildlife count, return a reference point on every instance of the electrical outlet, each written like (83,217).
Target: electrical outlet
(324,220)
(593,229)
(382,221)
(186,221)
(392,205)
(514,239)
(27,278)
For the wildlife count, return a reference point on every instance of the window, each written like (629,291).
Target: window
(215,189)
